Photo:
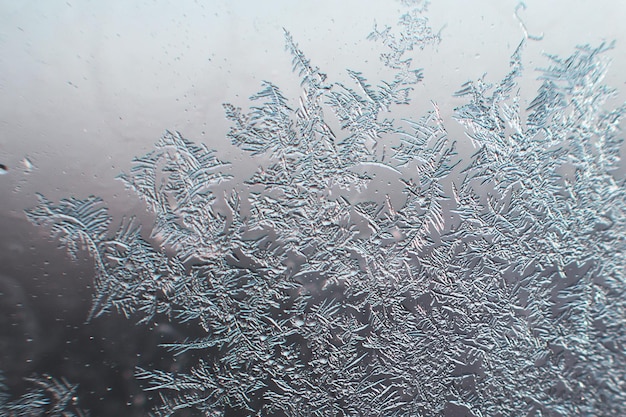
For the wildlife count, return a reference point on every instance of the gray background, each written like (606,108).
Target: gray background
(87,85)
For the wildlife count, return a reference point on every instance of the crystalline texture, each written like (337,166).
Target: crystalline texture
(46,396)
(496,286)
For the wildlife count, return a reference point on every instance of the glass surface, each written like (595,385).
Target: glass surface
(312,208)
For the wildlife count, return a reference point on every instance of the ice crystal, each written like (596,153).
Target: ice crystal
(495,286)
(46,396)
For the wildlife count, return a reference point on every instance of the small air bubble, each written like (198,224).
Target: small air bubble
(28,165)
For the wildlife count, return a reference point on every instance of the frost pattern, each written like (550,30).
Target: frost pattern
(47,396)
(494,287)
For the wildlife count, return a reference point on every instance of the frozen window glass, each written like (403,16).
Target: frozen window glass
(312,208)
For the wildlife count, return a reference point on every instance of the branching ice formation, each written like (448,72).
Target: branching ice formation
(46,397)
(495,289)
